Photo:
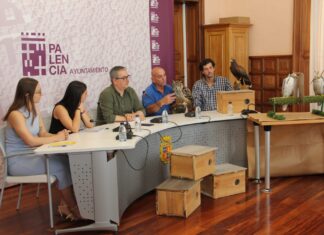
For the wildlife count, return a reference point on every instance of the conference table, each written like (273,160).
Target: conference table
(108,175)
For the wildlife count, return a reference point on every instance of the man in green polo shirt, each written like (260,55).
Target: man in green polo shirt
(118,102)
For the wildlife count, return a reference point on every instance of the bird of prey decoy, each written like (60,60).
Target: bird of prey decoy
(318,83)
(240,74)
(289,87)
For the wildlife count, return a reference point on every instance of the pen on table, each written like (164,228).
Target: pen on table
(63,145)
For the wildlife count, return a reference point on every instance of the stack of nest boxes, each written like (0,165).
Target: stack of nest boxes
(193,171)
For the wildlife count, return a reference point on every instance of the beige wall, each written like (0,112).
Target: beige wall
(271,32)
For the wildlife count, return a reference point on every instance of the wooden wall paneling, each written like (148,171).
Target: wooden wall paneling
(269,82)
(269,65)
(284,65)
(256,81)
(267,73)
(256,70)
(256,66)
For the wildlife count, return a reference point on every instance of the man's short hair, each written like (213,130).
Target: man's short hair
(205,62)
(113,72)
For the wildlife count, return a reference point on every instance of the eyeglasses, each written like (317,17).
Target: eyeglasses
(124,78)
(159,76)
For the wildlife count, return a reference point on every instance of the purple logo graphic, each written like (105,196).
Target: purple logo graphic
(154,4)
(57,59)
(154,17)
(33,54)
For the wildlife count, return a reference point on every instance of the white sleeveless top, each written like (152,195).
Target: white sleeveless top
(13,142)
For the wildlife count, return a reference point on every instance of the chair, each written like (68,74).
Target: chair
(8,179)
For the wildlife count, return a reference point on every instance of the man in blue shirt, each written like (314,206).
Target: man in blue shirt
(158,96)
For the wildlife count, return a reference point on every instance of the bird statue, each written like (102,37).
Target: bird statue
(318,86)
(318,83)
(240,74)
(183,97)
(289,87)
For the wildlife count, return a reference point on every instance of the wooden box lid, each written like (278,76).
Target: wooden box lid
(235,91)
(193,150)
(227,168)
(173,184)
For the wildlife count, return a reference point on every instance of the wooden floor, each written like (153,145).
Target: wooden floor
(295,206)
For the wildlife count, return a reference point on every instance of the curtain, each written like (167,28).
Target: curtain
(316,42)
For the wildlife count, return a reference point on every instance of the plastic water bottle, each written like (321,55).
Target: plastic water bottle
(165,116)
(122,132)
(230,108)
(138,123)
(198,112)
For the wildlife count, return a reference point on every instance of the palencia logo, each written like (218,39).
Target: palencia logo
(40,58)
(36,53)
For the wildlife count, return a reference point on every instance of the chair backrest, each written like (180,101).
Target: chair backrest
(2,140)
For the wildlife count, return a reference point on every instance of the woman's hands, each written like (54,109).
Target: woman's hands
(85,117)
(62,135)
(81,107)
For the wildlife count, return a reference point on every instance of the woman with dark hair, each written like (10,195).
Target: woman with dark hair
(25,129)
(70,111)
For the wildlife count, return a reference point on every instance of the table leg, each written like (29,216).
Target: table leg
(105,195)
(267,130)
(257,152)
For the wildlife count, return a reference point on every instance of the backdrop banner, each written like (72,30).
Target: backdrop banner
(56,42)
(162,40)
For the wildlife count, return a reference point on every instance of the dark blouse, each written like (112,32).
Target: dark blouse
(56,124)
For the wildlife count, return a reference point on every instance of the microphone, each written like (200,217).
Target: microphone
(156,120)
(190,114)
(129,131)
(248,111)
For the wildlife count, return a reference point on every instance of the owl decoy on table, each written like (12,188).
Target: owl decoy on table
(240,74)
(289,88)
(318,83)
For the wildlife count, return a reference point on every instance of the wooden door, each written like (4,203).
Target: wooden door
(194,20)
(178,43)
